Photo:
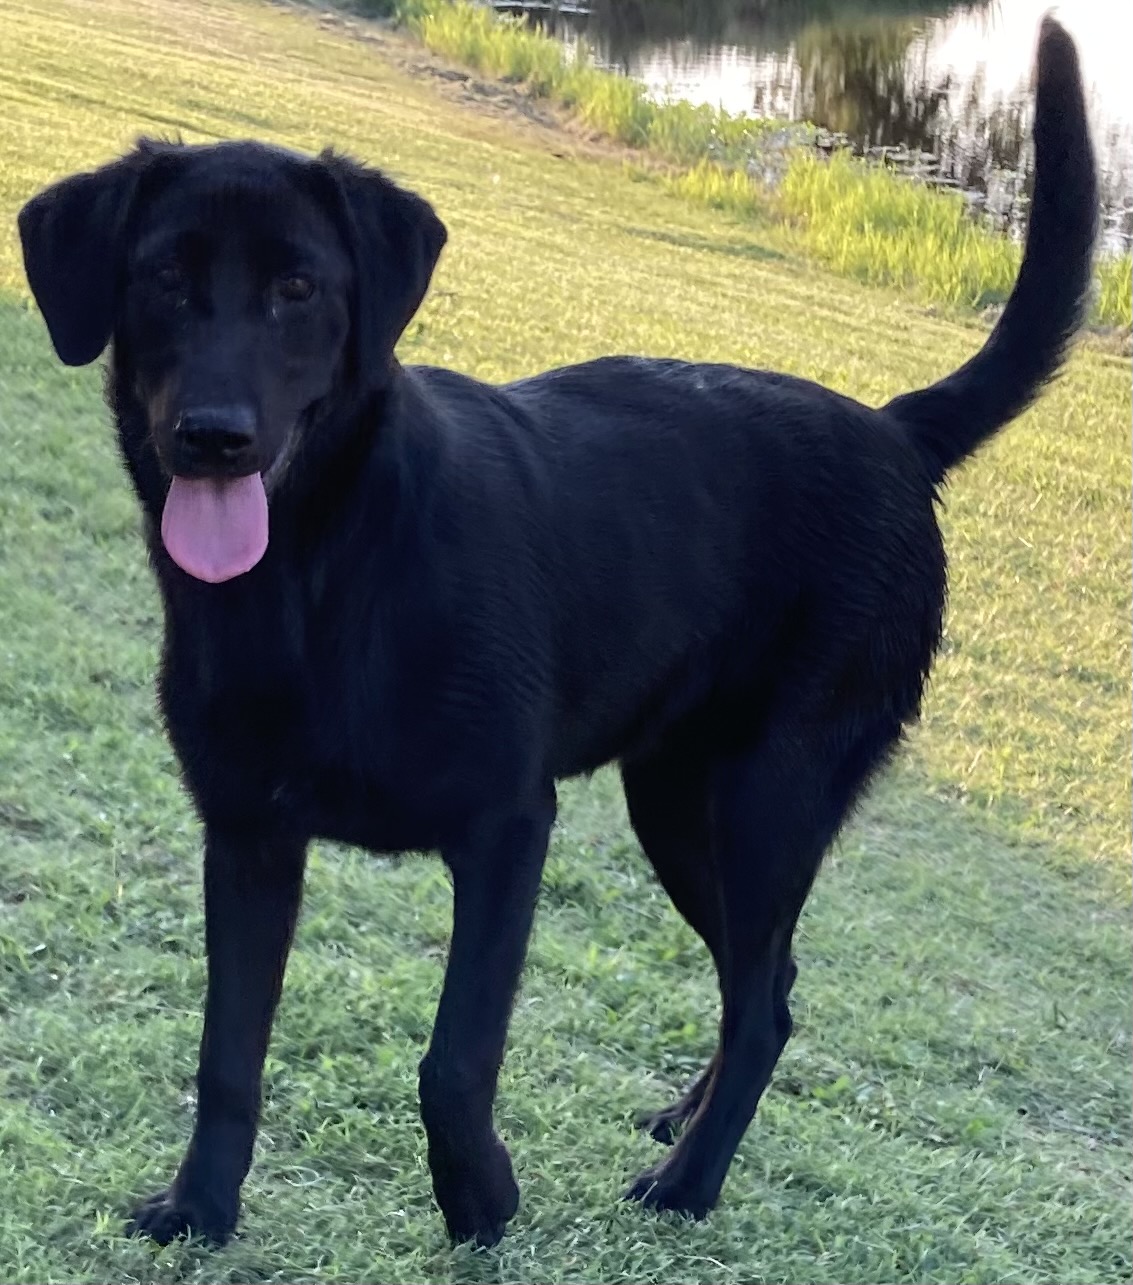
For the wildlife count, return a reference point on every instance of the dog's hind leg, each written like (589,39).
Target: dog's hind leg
(667,797)
(773,811)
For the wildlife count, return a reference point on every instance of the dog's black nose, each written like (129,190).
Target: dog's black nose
(216,435)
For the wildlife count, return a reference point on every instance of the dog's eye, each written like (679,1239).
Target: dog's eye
(295,288)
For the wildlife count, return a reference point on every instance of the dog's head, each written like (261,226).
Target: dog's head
(241,284)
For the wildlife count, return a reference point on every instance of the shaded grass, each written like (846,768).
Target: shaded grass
(955,1105)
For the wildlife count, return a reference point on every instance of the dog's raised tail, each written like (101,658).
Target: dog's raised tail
(951,418)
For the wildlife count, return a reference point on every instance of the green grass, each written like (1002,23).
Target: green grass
(864,222)
(881,229)
(867,224)
(956,1103)
(871,225)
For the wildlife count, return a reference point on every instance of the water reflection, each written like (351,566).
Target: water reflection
(939,87)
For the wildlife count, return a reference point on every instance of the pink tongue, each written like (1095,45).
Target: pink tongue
(216,528)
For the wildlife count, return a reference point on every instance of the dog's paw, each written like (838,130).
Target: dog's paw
(170,1215)
(477,1196)
(664,1187)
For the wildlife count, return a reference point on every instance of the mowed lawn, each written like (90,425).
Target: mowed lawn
(955,1105)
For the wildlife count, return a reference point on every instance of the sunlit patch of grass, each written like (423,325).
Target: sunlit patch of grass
(721,188)
(497,45)
(1115,290)
(878,227)
(874,226)
(881,228)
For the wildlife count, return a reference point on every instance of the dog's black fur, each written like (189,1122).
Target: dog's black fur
(728,581)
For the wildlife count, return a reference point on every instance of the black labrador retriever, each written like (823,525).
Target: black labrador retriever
(400,604)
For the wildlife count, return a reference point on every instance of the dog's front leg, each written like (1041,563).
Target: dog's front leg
(495,882)
(252,891)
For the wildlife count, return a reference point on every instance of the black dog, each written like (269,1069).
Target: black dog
(400,603)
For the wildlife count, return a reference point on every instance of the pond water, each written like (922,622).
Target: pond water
(936,86)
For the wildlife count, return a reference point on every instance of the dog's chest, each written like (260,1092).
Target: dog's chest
(300,723)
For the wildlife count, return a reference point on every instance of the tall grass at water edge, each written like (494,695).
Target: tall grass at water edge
(869,224)
(861,221)
(615,106)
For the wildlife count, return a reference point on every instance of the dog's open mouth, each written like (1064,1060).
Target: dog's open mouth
(216,528)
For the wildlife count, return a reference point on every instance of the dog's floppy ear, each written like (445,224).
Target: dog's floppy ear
(395,239)
(72,240)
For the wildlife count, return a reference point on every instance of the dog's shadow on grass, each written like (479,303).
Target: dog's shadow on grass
(712,245)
